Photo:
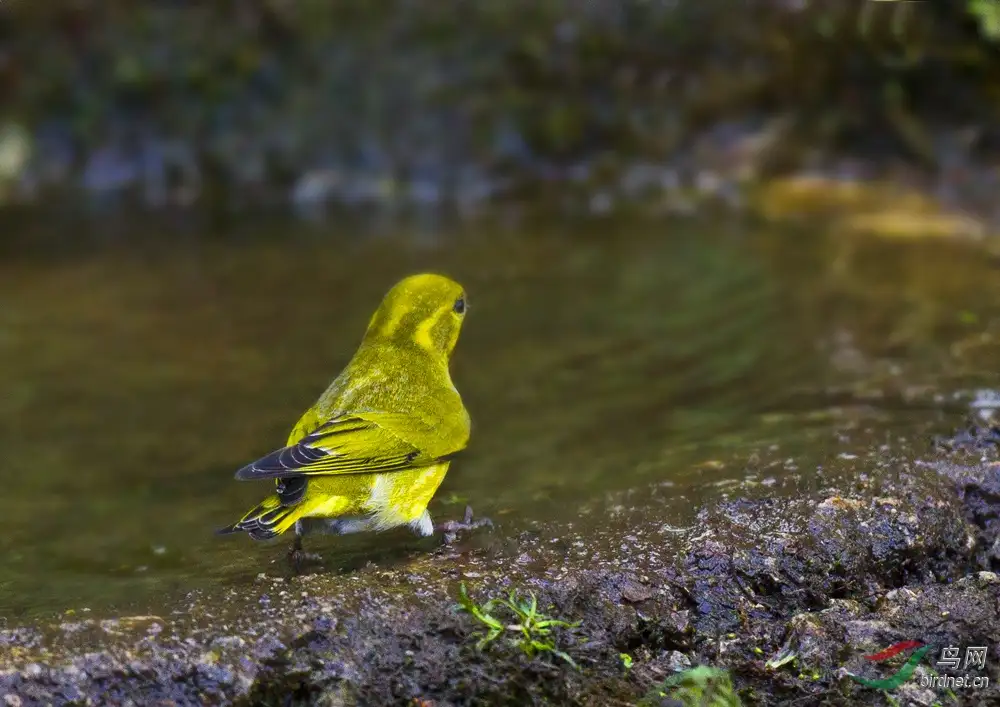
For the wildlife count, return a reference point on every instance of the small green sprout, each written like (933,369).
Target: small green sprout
(782,658)
(626,660)
(531,630)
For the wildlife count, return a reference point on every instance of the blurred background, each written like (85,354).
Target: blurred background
(706,242)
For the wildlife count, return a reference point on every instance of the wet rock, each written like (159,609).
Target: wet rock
(976,438)
(109,170)
(979,489)
(788,595)
(801,553)
(634,591)
(835,640)
(986,405)
(314,190)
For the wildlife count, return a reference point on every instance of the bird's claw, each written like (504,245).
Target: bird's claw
(299,558)
(452,528)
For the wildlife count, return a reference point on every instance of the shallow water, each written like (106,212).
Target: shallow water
(138,372)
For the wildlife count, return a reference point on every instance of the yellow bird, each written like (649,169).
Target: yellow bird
(372,451)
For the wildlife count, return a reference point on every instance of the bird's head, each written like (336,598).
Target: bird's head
(423,310)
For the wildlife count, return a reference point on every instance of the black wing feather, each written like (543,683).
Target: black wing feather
(291,490)
(301,459)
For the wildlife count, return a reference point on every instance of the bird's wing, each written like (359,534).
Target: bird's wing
(359,443)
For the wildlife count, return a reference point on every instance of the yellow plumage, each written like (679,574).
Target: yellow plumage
(372,451)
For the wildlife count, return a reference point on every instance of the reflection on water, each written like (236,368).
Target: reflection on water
(136,379)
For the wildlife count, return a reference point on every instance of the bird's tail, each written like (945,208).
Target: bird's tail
(268,519)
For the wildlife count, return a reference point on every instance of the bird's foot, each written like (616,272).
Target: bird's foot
(453,528)
(299,558)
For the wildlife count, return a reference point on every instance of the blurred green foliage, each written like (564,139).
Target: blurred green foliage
(987,13)
(701,686)
(264,90)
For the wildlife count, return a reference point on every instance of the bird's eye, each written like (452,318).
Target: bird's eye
(460,305)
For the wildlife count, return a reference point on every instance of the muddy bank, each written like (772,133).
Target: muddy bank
(786,593)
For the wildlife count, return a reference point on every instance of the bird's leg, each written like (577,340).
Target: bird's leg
(297,556)
(345,526)
(452,528)
(295,553)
